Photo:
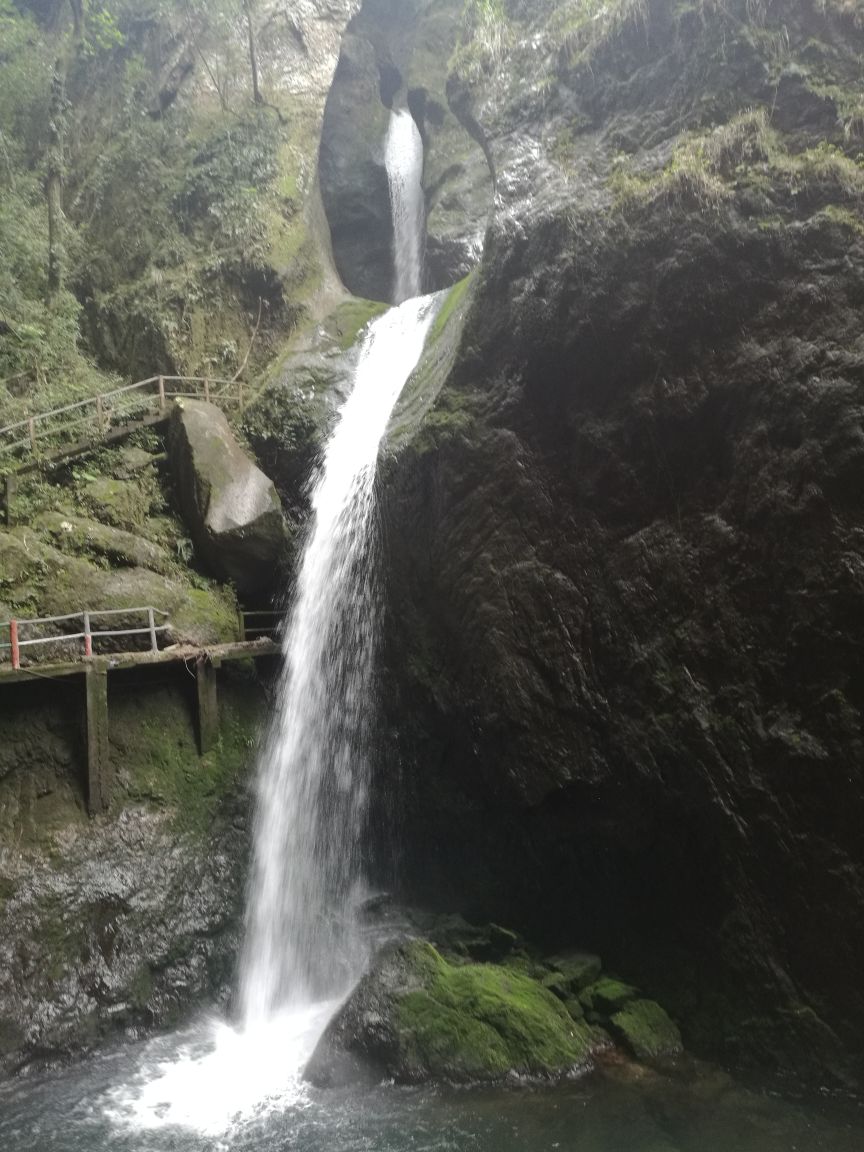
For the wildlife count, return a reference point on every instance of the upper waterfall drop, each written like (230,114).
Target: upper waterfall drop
(403,156)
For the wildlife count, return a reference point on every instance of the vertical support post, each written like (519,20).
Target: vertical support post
(31,428)
(161,393)
(151,624)
(13,643)
(88,636)
(100,415)
(208,704)
(207,388)
(100,776)
(11,482)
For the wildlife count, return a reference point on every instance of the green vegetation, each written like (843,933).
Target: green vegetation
(479,1021)
(706,171)
(580,27)
(646,1030)
(606,995)
(426,409)
(455,297)
(154,740)
(483,42)
(173,221)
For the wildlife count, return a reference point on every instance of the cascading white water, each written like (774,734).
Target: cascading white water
(299,941)
(302,949)
(404,161)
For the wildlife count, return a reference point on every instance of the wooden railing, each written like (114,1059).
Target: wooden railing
(94,418)
(20,632)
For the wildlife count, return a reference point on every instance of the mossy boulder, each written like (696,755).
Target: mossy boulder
(645,1028)
(572,973)
(77,535)
(232,508)
(417,1017)
(607,995)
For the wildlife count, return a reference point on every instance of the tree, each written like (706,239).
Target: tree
(56,143)
(249,8)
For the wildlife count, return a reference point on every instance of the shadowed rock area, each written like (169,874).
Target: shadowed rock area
(625,544)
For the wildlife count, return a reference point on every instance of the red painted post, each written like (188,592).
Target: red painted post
(88,636)
(13,640)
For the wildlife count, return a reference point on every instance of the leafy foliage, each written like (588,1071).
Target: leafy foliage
(169,204)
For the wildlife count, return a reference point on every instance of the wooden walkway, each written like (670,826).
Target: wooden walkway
(95,670)
(65,431)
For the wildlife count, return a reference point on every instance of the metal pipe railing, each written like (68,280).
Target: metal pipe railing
(99,409)
(88,635)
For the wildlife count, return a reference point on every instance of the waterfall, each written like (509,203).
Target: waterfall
(302,949)
(404,160)
(312,781)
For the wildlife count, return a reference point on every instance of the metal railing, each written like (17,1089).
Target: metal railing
(95,417)
(89,635)
(265,624)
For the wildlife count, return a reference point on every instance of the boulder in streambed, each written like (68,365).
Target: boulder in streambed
(417,1017)
(231,508)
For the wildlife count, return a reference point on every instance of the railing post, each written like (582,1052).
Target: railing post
(207,389)
(88,636)
(154,647)
(13,643)
(31,427)
(100,415)
(162,393)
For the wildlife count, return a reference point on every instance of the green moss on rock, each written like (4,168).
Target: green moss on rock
(417,1017)
(572,972)
(481,1022)
(607,995)
(646,1030)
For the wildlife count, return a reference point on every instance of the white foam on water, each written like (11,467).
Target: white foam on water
(218,1079)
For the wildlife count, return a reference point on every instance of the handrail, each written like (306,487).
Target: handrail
(104,409)
(246,625)
(89,634)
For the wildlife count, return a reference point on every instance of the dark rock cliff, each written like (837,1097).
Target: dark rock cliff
(625,551)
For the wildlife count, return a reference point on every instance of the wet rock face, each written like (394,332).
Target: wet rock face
(354,184)
(232,508)
(124,929)
(396,53)
(115,926)
(625,557)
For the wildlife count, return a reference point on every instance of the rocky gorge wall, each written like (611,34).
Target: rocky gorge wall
(623,676)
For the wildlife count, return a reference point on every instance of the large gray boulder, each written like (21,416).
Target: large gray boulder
(232,509)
